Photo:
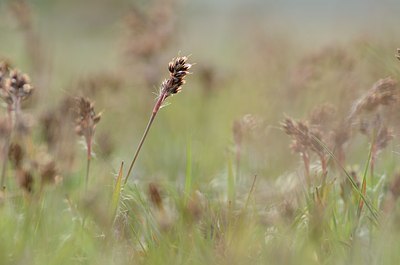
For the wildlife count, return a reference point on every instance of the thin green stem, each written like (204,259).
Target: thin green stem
(157,106)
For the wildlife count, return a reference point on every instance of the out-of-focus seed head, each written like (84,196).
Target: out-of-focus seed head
(322,115)
(86,118)
(383,92)
(155,196)
(25,180)
(48,172)
(16,155)
(15,86)
(299,132)
(248,126)
(20,84)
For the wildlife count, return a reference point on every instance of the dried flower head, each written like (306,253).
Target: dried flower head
(86,118)
(48,172)
(304,140)
(178,69)
(25,180)
(322,115)
(299,132)
(248,125)
(383,92)
(16,155)
(15,87)
(155,196)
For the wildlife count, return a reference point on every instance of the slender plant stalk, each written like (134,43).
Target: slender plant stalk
(146,131)
(6,149)
(86,120)
(89,158)
(178,69)
(306,161)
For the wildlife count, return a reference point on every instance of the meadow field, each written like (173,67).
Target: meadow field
(199,132)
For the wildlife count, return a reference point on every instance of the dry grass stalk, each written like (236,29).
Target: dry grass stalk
(178,69)
(15,87)
(304,141)
(155,196)
(383,93)
(86,122)
(373,121)
(300,142)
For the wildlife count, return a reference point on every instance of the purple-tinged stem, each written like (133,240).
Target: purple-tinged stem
(157,106)
(89,156)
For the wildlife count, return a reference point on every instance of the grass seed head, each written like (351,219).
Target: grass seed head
(178,69)
(384,92)
(16,155)
(15,86)
(86,118)
(48,172)
(155,196)
(25,180)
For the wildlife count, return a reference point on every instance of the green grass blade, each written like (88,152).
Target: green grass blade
(364,182)
(370,207)
(117,192)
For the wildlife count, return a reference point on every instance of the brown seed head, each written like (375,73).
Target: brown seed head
(15,87)
(322,115)
(25,180)
(48,172)
(178,69)
(20,84)
(299,133)
(86,118)
(247,126)
(16,155)
(155,196)
(383,92)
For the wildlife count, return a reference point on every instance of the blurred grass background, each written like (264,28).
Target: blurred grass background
(256,52)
